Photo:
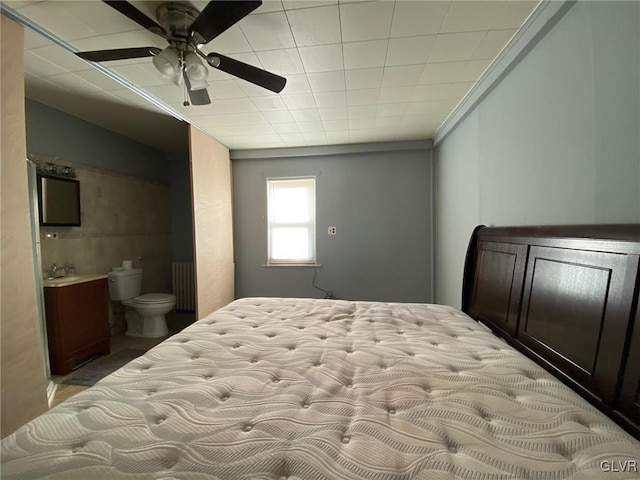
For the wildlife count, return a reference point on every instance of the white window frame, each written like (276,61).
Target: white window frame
(272,183)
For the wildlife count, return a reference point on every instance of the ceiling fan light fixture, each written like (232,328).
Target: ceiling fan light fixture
(196,70)
(167,63)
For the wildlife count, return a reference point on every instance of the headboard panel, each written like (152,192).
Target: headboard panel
(567,297)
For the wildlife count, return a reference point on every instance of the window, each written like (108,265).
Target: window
(291,211)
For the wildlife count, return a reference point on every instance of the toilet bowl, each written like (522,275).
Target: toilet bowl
(145,314)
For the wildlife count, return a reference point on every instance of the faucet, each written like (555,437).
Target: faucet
(53,271)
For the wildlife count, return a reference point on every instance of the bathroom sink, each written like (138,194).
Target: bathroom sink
(70,280)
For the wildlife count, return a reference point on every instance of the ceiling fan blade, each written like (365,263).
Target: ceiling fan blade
(197,97)
(247,72)
(136,15)
(218,16)
(118,54)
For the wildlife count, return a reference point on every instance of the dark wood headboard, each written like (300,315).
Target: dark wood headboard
(567,297)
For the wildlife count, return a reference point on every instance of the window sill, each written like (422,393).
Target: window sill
(313,265)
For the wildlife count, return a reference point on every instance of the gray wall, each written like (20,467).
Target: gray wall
(381,207)
(57,134)
(556,142)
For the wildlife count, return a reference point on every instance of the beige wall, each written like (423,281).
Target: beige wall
(213,223)
(123,218)
(23,378)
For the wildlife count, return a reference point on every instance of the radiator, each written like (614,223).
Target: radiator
(184,286)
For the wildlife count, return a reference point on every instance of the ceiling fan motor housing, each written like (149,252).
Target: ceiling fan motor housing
(176,18)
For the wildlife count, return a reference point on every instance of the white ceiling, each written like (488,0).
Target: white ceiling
(366,71)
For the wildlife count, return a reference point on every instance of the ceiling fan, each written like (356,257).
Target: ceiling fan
(186,29)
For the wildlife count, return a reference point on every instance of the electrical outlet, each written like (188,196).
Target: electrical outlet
(332,230)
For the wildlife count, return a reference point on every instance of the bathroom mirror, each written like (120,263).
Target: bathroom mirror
(59,201)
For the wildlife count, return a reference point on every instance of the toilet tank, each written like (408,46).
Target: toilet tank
(125,284)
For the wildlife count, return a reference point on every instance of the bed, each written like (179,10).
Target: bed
(274,388)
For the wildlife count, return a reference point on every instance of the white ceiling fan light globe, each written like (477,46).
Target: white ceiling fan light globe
(196,70)
(167,63)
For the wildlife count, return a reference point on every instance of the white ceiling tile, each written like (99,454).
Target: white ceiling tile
(364,78)
(128,96)
(270,103)
(256,141)
(365,54)
(396,94)
(446,72)
(331,114)
(362,122)
(409,50)
(492,43)
(55,17)
(225,89)
(315,26)
(337,138)
(286,127)
(315,138)
(306,115)
(268,6)
(60,57)
(268,31)
(292,139)
(391,109)
(367,96)
(327,81)
(264,129)
(136,38)
(299,101)
(40,66)
(422,108)
(33,40)
(515,14)
(307,127)
(281,62)
(473,70)
(335,125)
(364,135)
(293,4)
(296,84)
(278,116)
(429,93)
(331,99)
(471,16)
(401,76)
(229,42)
(99,79)
(388,122)
(142,75)
(322,58)
(169,93)
(454,47)
(365,21)
(232,105)
(458,90)
(220,120)
(362,111)
(418,18)
(73,83)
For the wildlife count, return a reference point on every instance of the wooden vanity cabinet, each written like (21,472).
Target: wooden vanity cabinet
(77,323)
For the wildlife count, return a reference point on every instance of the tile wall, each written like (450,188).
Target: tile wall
(123,218)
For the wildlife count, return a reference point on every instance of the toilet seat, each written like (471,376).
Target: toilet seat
(154,299)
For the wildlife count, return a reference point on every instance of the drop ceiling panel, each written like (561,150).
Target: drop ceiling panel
(356,71)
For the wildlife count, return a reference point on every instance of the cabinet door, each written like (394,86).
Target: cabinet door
(575,313)
(83,315)
(497,285)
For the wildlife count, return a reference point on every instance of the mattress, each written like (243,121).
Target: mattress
(270,388)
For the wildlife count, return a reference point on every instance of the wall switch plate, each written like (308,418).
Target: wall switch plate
(51,235)
(332,230)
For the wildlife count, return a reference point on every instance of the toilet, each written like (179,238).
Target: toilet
(146,313)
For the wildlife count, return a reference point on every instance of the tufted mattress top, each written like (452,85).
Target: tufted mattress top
(270,388)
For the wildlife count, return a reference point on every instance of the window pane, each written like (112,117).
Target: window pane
(290,205)
(291,220)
